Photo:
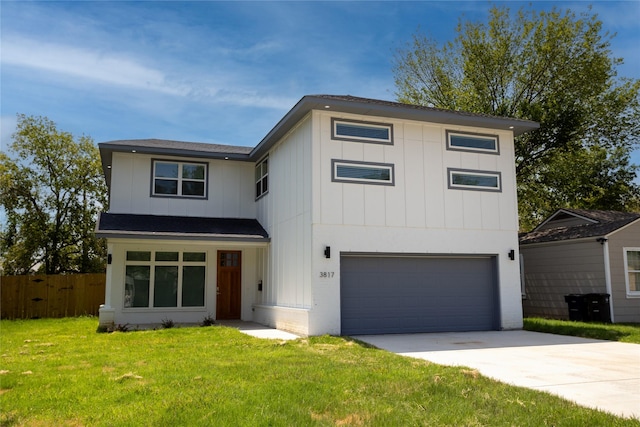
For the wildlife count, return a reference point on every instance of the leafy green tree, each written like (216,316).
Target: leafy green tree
(51,192)
(551,67)
(590,178)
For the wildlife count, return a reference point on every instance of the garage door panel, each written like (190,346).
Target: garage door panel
(381,294)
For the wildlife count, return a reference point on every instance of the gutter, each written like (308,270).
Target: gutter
(607,274)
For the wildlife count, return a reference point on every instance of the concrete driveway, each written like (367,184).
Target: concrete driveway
(598,374)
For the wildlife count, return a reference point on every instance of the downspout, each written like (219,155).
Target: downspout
(607,274)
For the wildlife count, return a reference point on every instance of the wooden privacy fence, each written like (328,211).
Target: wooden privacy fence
(32,297)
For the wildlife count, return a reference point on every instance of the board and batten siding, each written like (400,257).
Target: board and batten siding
(420,197)
(417,215)
(230,189)
(625,308)
(553,270)
(285,212)
(116,278)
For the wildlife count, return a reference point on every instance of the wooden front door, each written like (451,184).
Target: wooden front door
(228,294)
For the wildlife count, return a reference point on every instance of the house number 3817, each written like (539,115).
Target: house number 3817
(326,274)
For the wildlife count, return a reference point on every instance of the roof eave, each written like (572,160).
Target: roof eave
(107,149)
(119,234)
(559,241)
(631,223)
(568,212)
(399,111)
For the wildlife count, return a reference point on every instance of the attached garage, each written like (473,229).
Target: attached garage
(408,294)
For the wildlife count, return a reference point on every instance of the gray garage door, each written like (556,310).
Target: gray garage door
(388,294)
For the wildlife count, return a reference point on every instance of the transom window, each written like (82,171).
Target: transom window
(362,172)
(632,270)
(262,178)
(352,130)
(179,179)
(156,279)
(463,179)
(464,141)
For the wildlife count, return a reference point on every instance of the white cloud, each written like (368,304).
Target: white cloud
(105,68)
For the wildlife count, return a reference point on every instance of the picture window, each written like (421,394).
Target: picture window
(172,279)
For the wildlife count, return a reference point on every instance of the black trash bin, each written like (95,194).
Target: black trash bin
(577,307)
(598,307)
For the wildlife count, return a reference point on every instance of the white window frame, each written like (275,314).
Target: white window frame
(386,166)
(179,179)
(152,263)
(262,177)
(630,293)
(472,135)
(374,125)
(470,172)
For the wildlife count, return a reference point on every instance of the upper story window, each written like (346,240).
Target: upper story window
(262,178)
(463,179)
(358,131)
(632,270)
(362,172)
(179,179)
(480,143)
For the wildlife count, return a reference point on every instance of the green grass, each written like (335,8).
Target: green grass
(601,331)
(61,372)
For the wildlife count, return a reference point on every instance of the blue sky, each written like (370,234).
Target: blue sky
(221,72)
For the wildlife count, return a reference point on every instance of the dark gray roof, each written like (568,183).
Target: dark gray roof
(176,227)
(376,107)
(606,222)
(337,103)
(174,147)
(170,148)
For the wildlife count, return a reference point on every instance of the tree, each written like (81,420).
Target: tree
(550,67)
(51,194)
(586,178)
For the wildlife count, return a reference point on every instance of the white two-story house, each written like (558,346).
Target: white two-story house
(352,216)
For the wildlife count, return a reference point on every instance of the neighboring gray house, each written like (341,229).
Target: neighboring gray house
(579,251)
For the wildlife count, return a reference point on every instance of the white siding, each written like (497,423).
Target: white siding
(250,276)
(419,214)
(420,197)
(285,212)
(230,195)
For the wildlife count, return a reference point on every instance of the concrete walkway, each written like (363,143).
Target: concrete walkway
(257,330)
(599,374)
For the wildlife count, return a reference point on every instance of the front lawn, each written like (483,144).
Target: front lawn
(61,372)
(601,331)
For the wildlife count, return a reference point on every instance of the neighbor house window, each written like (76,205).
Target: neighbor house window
(632,271)
(463,179)
(164,279)
(262,178)
(362,172)
(179,179)
(351,130)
